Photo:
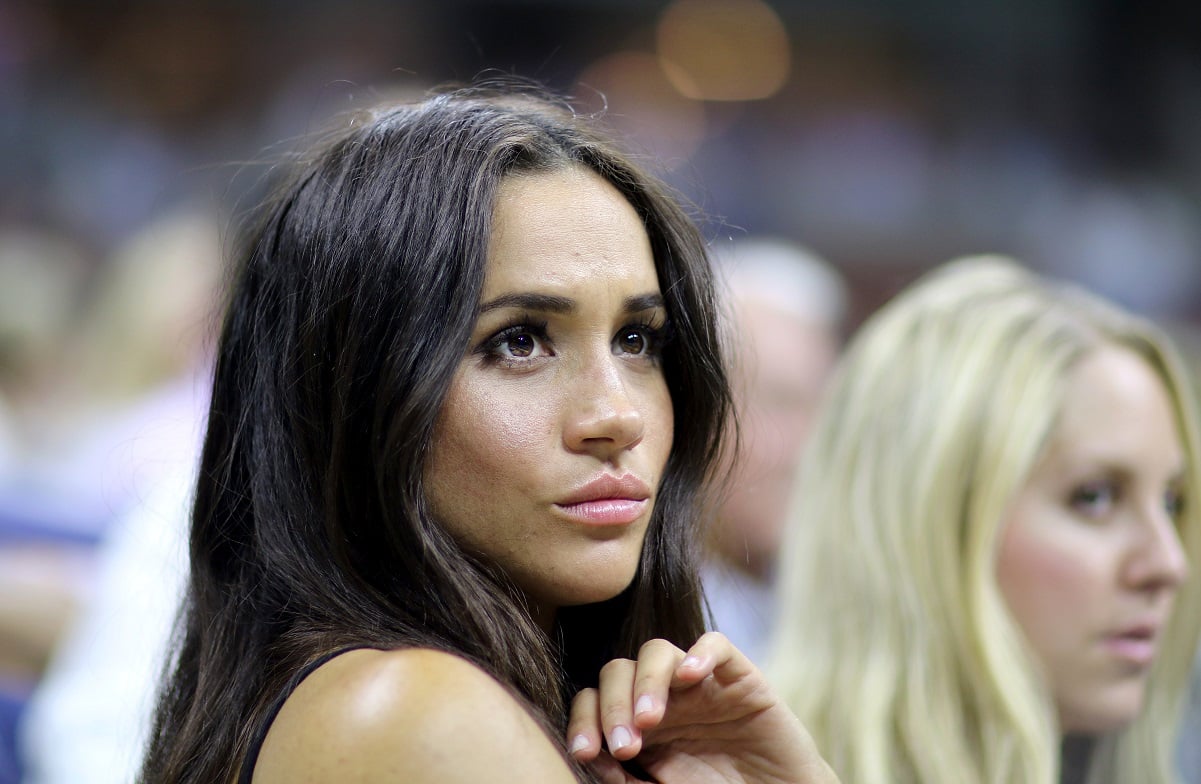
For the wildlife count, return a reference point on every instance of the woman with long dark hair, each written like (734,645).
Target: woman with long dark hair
(467,395)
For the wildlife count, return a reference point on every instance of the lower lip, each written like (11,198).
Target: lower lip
(607,511)
(1135,650)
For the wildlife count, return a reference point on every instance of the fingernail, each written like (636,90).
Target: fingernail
(619,738)
(644,705)
(579,743)
(691,662)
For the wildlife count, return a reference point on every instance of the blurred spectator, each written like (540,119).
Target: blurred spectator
(119,408)
(88,721)
(984,577)
(113,395)
(785,311)
(1188,338)
(41,277)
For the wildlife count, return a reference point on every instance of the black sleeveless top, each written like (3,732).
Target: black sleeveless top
(256,743)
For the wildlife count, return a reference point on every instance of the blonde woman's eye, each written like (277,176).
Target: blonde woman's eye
(1174,504)
(1094,499)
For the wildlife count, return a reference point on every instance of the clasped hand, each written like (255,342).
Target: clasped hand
(704,716)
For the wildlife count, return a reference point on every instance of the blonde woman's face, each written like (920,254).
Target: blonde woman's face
(548,453)
(1090,559)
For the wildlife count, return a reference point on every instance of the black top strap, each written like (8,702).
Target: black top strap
(256,743)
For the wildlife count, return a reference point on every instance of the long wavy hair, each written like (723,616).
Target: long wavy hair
(352,305)
(895,644)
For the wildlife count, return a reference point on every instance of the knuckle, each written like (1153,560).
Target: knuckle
(650,646)
(584,700)
(614,712)
(615,667)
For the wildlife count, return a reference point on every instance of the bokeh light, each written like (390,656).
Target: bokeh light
(723,50)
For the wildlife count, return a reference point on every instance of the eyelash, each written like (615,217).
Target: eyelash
(492,347)
(656,338)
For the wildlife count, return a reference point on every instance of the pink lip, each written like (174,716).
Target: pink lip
(608,500)
(1135,644)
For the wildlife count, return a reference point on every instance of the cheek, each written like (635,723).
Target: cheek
(484,443)
(493,432)
(661,423)
(1044,576)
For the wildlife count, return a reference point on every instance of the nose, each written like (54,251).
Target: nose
(603,419)
(1159,561)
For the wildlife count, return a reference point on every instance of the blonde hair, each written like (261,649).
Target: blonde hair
(894,644)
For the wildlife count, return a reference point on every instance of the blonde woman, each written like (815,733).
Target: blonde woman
(986,574)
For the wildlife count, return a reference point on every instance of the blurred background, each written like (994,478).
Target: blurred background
(884,136)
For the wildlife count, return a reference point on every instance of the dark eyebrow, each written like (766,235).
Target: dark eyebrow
(643,302)
(550,303)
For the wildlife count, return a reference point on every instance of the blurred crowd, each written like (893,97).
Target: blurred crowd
(132,134)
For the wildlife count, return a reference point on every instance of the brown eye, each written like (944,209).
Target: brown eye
(522,344)
(632,341)
(640,339)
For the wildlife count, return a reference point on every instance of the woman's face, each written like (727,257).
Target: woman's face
(549,449)
(1090,559)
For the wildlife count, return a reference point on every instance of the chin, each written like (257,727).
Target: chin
(589,587)
(1103,716)
(594,593)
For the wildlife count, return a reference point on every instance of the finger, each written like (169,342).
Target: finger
(712,654)
(583,726)
(657,663)
(617,708)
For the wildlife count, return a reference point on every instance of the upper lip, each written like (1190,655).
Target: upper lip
(1142,629)
(606,487)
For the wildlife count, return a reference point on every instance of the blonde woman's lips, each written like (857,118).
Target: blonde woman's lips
(1136,645)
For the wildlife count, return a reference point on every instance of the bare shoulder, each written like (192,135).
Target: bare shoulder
(413,715)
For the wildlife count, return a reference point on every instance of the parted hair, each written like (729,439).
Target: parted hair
(895,645)
(351,306)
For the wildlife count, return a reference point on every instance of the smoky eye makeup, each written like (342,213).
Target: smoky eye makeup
(643,337)
(521,338)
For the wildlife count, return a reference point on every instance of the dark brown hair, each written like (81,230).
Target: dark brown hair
(350,311)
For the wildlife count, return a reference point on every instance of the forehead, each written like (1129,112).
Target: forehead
(565,228)
(1116,408)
